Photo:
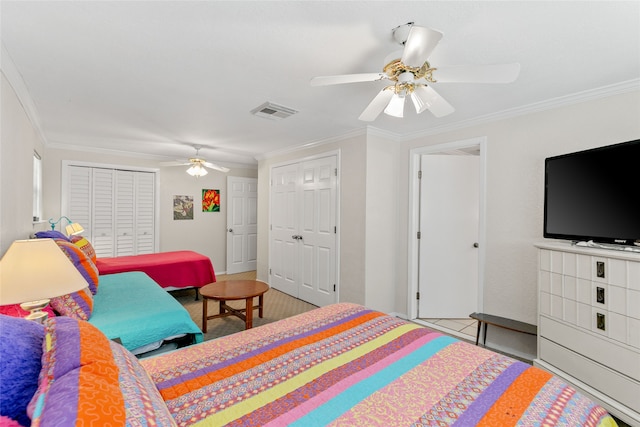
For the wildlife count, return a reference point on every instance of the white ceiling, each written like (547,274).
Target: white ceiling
(153,77)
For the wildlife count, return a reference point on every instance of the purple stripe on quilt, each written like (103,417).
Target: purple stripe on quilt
(288,402)
(481,405)
(221,365)
(69,347)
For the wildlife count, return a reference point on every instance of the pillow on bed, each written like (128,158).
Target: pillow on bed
(82,262)
(20,364)
(14,310)
(88,380)
(85,245)
(51,234)
(78,305)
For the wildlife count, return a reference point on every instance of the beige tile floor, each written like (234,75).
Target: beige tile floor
(467,328)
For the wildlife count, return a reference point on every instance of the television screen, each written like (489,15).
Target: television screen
(594,195)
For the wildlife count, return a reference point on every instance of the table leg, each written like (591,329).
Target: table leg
(261,305)
(249,313)
(478,332)
(204,314)
(484,340)
(222,310)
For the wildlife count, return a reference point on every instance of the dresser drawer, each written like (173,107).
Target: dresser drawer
(611,383)
(617,357)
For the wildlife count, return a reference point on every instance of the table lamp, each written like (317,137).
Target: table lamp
(32,271)
(71,229)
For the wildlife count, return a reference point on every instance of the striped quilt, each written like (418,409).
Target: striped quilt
(346,365)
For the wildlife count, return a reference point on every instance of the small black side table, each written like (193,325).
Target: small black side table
(502,322)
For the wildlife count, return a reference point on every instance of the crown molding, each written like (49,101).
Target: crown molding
(575,98)
(131,154)
(13,76)
(312,144)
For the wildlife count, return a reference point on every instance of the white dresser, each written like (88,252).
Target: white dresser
(589,323)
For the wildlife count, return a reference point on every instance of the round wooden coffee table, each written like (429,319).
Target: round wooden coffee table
(233,290)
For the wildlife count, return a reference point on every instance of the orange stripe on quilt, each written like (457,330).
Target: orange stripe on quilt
(207,378)
(512,404)
(100,401)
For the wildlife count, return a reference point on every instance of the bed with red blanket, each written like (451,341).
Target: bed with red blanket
(171,270)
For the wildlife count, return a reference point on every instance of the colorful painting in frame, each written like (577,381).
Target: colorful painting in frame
(210,200)
(182,207)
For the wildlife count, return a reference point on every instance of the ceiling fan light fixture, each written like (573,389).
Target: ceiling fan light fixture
(395,107)
(197,170)
(421,98)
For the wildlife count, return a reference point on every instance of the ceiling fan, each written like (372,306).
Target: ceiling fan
(197,165)
(411,76)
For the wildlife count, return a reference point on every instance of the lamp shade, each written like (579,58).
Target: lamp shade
(73,229)
(36,269)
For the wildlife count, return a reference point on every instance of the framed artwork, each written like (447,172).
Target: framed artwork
(210,200)
(182,207)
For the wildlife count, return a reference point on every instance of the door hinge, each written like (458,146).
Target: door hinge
(419,234)
(269,272)
(335,171)
(419,174)
(417,295)
(334,287)
(335,230)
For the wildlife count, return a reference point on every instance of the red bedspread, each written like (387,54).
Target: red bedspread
(178,269)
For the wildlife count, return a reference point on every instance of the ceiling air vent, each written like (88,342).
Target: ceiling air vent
(272,111)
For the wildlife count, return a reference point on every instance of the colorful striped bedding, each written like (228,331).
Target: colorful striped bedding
(346,365)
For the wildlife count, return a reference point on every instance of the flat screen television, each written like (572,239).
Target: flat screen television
(593,195)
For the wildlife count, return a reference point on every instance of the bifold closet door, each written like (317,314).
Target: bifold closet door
(115,207)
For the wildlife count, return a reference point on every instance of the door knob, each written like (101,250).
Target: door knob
(475,245)
(230,230)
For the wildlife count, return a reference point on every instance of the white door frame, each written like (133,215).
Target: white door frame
(338,228)
(414,216)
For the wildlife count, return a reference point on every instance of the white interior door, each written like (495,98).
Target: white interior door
(242,224)
(317,230)
(284,226)
(449,223)
(303,251)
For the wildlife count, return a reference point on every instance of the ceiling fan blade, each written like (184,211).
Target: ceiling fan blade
(175,163)
(419,45)
(347,78)
(497,73)
(376,106)
(433,101)
(216,167)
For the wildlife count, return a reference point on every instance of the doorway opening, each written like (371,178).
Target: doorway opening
(446,255)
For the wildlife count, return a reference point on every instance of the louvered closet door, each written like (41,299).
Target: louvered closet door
(79,192)
(102,209)
(115,207)
(125,213)
(145,195)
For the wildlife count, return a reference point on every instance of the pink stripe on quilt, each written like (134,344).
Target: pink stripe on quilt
(431,380)
(341,386)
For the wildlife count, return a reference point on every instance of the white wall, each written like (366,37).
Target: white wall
(18,140)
